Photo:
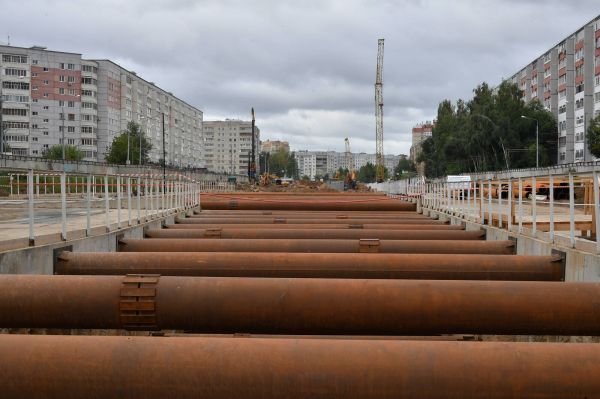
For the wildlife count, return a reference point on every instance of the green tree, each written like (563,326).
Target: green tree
(593,136)
(283,162)
(488,133)
(405,165)
(72,153)
(366,173)
(117,153)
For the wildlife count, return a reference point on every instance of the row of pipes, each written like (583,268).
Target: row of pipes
(280,295)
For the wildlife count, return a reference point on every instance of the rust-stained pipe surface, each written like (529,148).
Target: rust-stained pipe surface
(66,367)
(319,246)
(300,306)
(320,234)
(363,204)
(331,265)
(272,220)
(315,226)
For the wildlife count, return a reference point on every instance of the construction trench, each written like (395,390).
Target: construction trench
(281,295)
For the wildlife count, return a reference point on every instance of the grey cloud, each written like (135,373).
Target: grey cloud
(308,67)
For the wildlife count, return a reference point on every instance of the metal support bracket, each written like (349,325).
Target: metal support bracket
(561,256)
(56,253)
(137,306)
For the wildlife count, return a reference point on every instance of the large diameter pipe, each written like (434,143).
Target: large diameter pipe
(66,367)
(319,234)
(319,246)
(311,265)
(314,226)
(306,214)
(295,221)
(300,306)
(312,205)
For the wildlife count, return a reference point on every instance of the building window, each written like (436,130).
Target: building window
(579,120)
(70,129)
(579,154)
(45,133)
(61,65)
(71,66)
(15,112)
(562,141)
(15,72)
(61,90)
(15,59)
(71,117)
(61,103)
(15,85)
(72,92)
(46,120)
(61,78)
(71,79)
(45,69)
(71,104)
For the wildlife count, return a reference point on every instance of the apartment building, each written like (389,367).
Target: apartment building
(321,163)
(48,95)
(228,145)
(420,133)
(566,80)
(272,146)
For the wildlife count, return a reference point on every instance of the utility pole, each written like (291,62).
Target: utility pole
(252,164)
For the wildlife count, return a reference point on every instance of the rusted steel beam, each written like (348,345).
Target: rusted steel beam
(305,265)
(319,246)
(318,226)
(300,306)
(363,204)
(320,234)
(295,221)
(66,367)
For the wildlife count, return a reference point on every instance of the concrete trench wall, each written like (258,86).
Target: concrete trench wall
(40,259)
(581,266)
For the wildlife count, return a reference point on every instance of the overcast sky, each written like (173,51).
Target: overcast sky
(307,67)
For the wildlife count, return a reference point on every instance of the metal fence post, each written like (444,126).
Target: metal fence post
(571,211)
(481,201)
(533,206)
(118,202)
(37,185)
(146,194)
(106,203)
(88,225)
(596,210)
(520,206)
(63,205)
(551,205)
(139,200)
(490,215)
(500,209)
(30,199)
(510,210)
(129,200)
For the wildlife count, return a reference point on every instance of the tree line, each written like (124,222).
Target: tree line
(494,130)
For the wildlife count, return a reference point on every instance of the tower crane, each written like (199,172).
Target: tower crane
(350,180)
(379,164)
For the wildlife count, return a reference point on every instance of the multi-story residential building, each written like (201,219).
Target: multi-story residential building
(272,146)
(321,163)
(48,95)
(420,133)
(228,145)
(566,80)
(307,163)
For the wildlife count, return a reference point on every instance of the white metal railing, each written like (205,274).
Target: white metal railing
(545,206)
(45,201)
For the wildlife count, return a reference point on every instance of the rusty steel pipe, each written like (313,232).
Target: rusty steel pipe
(319,246)
(271,220)
(315,226)
(312,265)
(309,204)
(307,214)
(271,368)
(300,306)
(320,234)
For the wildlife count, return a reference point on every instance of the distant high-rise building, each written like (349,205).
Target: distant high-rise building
(566,80)
(47,93)
(272,146)
(228,145)
(420,133)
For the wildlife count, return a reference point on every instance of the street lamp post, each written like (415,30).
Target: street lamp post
(537,140)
